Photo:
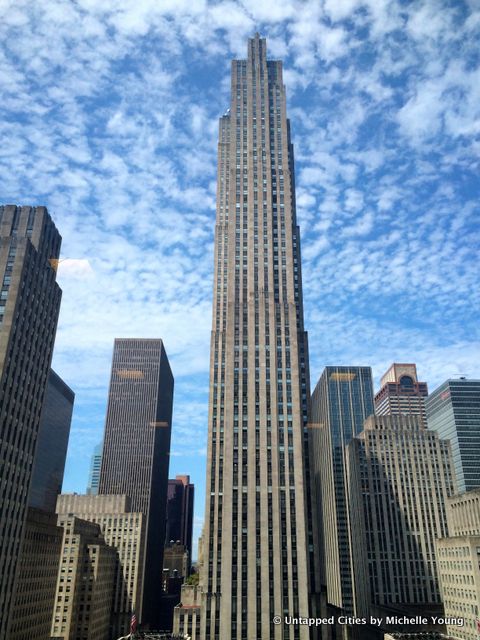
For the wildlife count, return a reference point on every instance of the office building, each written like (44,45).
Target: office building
(35,593)
(179,523)
(341,401)
(94,474)
(453,410)
(186,615)
(399,477)
(124,531)
(136,448)
(256,525)
(401,393)
(459,565)
(175,561)
(29,307)
(85,583)
(52,443)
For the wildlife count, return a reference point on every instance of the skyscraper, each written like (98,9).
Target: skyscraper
(256,532)
(94,474)
(399,476)
(341,401)
(52,443)
(179,524)
(36,575)
(401,393)
(453,410)
(136,447)
(29,307)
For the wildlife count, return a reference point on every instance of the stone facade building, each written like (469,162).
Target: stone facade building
(85,583)
(29,307)
(459,564)
(35,591)
(401,393)
(400,476)
(258,550)
(124,531)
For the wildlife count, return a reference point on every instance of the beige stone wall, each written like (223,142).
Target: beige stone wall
(125,532)
(35,592)
(459,570)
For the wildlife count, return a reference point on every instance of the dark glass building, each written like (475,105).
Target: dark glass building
(453,410)
(136,447)
(341,401)
(179,524)
(52,443)
(29,307)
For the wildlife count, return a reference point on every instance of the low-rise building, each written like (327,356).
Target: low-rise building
(186,615)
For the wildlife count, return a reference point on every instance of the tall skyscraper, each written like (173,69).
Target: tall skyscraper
(453,410)
(179,524)
(136,447)
(29,307)
(52,443)
(399,476)
(401,393)
(94,474)
(256,532)
(341,401)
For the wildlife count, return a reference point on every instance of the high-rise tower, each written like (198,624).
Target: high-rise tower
(401,393)
(52,443)
(29,307)
(136,447)
(453,410)
(179,519)
(341,401)
(256,532)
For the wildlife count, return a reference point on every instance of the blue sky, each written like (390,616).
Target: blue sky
(109,116)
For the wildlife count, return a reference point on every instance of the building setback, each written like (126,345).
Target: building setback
(256,531)
(136,448)
(124,531)
(29,307)
(401,393)
(341,401)
(399,476)
(85,582)
(52,443)
(453,410)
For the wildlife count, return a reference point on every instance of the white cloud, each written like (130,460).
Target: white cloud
(109,116)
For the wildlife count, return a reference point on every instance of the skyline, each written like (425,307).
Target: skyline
(394,106)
